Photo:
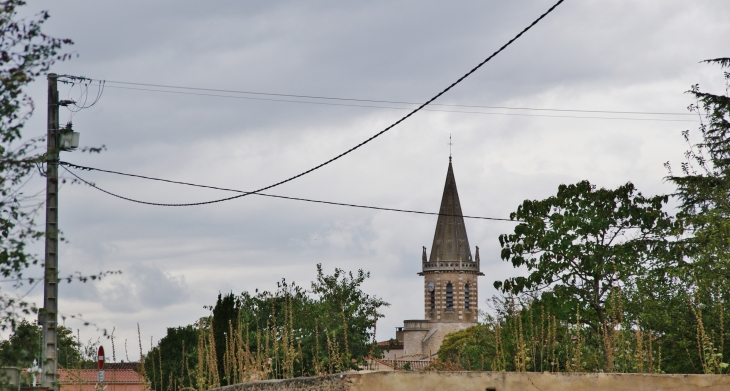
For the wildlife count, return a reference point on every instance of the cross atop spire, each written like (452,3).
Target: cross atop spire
(450,144)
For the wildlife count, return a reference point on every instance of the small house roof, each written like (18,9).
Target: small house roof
(91,376)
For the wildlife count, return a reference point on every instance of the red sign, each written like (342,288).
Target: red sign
(100,357)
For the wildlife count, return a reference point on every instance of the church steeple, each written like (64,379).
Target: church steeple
(450,243)
(450,275)
(450,279)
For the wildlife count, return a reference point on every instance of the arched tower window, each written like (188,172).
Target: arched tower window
(466,297)
(449,297)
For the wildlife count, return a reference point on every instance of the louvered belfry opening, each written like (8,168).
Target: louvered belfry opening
(466,297)
(449,297)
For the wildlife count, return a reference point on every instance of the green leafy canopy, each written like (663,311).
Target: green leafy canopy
(582,243)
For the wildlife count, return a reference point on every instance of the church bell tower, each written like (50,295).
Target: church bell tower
(450,272)
(450,290)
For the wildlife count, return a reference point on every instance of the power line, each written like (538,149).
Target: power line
(396,123)
(364,100)
(154,203)
(433,110)
(419,107)
(71,165)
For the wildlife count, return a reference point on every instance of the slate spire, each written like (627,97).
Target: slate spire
(450,242)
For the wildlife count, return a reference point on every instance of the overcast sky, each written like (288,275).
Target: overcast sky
(588,55)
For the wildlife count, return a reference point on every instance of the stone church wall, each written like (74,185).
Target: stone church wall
(413,342)
(432,345)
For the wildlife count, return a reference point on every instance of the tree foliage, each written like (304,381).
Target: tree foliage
(687,303)
(617,274)
(25,53)
(173,360)
(525,335)
(225,323)
(584,243)
(262,335)
(703,188)
(23,346)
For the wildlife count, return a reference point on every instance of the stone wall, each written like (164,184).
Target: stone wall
(413,342)
(426,340)
(337,382)
(433,343)
(491,381)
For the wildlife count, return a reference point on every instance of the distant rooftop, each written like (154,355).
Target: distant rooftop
(90,376)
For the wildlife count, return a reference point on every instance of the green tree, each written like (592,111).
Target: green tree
(23,346)
(472,349)
(703,188)
(584,244)
(348,312)
(282,334)
(171,363)
(331,327)
(225,323)
(25,53)
(524,335)
(686,303)
(679,311)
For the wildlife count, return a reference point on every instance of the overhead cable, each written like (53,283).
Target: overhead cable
(438,110)
(361,100)
(410,114)
(75,166)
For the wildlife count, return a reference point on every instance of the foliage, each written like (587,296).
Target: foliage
(23,347)
(525,336)
(689,320)
(608,260)
(704,185)
(290,332)
(705,182)
(469,348)
(585,243)
(225,323)
(702,275)
(175,357)
(25,53)
(619,265)
(347,312)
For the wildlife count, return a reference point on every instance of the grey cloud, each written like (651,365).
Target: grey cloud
(142,287)
(619,55)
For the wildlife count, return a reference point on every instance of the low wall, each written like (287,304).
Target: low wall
(338,382)
(491,381)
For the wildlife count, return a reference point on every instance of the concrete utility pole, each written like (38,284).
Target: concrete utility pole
(48,315)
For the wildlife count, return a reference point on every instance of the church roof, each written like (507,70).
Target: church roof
(450,242)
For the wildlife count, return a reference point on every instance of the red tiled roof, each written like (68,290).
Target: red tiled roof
(90,376)
(121,365)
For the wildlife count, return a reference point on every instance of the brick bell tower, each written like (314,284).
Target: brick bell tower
(450,287)
(450,273)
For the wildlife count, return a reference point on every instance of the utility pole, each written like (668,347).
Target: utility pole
(48,316)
